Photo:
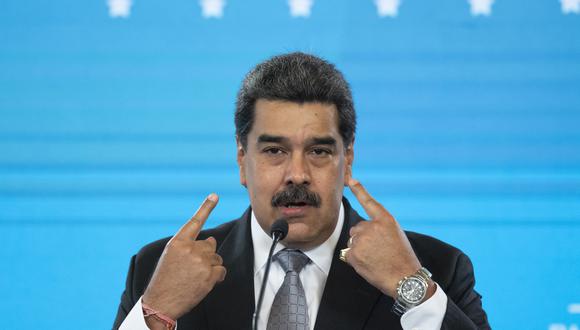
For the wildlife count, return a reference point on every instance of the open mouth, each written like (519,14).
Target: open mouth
(295,205)
(294,209)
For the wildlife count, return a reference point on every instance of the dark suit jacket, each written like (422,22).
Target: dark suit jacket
(348,301)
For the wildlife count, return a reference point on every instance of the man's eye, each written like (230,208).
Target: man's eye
(273,151)
(320,152)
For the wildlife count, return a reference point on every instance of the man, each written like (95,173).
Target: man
(295,128)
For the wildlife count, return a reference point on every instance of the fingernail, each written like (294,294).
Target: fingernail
(352,181)
(213,197)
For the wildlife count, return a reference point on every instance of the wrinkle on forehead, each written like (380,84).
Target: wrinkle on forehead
(298,122)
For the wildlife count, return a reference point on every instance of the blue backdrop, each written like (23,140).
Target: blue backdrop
(116,120)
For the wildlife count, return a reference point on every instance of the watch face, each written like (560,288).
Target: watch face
(413,290)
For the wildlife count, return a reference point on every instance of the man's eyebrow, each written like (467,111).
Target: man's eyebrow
(318,140)
(324,140)
(267,138)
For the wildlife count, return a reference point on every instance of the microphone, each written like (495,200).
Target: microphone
(278,231)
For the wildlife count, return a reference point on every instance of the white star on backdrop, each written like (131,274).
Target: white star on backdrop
(570,6)
(388,8)
(481,7)
(212,8)
(300,8)
(574,308)
(119,8)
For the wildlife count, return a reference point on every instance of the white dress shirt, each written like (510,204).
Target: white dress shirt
(427,316)
(313,275)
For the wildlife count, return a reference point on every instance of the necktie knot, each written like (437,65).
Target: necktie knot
(291,260)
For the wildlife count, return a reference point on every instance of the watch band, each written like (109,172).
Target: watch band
(398,308)
(423,272)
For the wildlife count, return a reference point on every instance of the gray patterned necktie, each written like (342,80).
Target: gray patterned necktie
(289,310)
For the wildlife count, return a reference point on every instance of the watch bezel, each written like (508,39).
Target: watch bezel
(405,296)
(402,304)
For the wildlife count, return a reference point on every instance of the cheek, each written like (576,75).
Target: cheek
(330,184)
(333,174)
(263,178)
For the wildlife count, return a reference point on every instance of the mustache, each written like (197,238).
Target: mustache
(294,194)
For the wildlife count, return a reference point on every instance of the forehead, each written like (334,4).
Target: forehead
(292,119)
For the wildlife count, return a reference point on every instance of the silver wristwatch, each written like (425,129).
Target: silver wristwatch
(411,291)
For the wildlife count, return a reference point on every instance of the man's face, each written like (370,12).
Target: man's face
(295,166)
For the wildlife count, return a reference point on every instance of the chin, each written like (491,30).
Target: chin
(300,236)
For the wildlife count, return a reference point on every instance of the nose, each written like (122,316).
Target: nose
(297,171)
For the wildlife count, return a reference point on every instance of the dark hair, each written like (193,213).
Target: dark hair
(295,77)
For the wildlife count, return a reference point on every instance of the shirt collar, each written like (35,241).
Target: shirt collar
(321,255)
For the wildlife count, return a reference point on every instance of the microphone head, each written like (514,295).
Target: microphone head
(279,228)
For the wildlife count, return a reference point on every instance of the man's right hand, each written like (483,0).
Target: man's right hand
(188,269)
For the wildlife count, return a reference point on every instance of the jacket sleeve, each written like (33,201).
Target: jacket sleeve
(464,308)
(128,299)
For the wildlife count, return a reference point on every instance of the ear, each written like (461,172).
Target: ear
(241,156)
(349,157)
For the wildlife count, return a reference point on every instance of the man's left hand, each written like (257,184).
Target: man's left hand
(379,249)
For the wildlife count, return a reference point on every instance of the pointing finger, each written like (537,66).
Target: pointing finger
(373,208)
(192,228)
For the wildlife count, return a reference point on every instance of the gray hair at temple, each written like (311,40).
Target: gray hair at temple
(300,78)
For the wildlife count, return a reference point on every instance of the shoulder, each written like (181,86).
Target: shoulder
(443,260)
(429,246)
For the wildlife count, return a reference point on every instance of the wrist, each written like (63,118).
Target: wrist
(157,320)
(390,286)
(431,288)
(154,324)
(158,304)
(413,290)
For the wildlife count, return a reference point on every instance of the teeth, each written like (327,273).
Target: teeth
(295,205)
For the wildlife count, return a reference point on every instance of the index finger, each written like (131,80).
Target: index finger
(373,208)
(192,227)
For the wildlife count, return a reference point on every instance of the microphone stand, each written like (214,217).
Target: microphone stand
(276,236)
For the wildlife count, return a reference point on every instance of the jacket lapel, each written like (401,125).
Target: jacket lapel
(231,303)
(347,302)
(348,299)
